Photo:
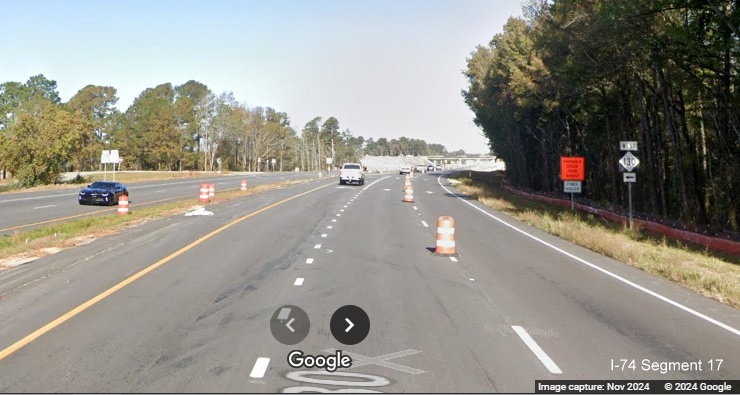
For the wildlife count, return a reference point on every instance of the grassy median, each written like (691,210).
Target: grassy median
(11,185)
(713,275)
(49,239)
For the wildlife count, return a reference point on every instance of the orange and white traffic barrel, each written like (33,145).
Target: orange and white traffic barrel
(123,205)
(244,185)
(445,236)
(211,191)
(407,184)
(203,197)
(408,195)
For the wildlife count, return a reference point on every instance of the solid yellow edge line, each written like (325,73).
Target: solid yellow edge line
(77,310)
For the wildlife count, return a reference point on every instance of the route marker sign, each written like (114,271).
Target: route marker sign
(572,187)
(572,168)
(629,162)
(628,145)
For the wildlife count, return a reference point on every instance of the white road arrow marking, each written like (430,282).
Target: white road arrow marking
(350,324)
(288,324)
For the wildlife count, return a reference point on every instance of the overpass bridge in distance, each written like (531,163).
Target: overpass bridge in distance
(482,158)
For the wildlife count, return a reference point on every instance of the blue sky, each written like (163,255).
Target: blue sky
(382,68)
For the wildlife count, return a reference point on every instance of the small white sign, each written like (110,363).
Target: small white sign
(329,161)
(105,156)
(572,187)
(114,156)
(274,161)
(629,177)
(629,162)
(628,145)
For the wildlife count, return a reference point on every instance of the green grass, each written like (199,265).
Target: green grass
(71,233)
(12,185)
(710,274)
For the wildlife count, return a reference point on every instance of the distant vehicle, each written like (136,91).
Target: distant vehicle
(102,192)
(405,169)
(420,169)
(351,173)
(430,167)
(439,167)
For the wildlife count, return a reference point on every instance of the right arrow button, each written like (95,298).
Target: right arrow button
(350,325)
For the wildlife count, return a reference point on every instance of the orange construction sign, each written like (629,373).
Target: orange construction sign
(572,168)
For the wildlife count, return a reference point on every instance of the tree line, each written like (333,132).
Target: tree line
(168,127)
(575,77)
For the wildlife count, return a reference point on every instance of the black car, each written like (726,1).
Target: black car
(102,192)
(430,167)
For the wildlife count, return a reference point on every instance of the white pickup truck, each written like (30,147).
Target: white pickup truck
(352,173)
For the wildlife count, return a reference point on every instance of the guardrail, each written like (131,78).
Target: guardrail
(713,243)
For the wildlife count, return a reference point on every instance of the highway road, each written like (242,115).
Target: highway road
(185,304)
(28,210)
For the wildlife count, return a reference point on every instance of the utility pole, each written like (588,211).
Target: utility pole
(321,156)
(332,152)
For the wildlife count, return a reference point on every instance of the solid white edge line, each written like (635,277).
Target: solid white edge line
(593,266)
(298,281)
(537,350)
(309,261)
(260,367)
(425,224)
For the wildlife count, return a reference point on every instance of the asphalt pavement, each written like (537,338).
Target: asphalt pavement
(28,210)
(185,304)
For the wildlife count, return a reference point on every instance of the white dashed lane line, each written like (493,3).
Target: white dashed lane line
(334,220)
(329,227)
(339,215)
(425,224)
(51,205)
(298,281)
(453,259)
(539,352)
(317,246)
(309,261)
(323,235)
(260,367)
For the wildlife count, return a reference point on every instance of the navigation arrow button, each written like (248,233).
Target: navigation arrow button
(288,324)
(358,321)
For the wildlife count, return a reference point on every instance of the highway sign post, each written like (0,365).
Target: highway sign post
(113,160)
(627,164)
(572,172)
